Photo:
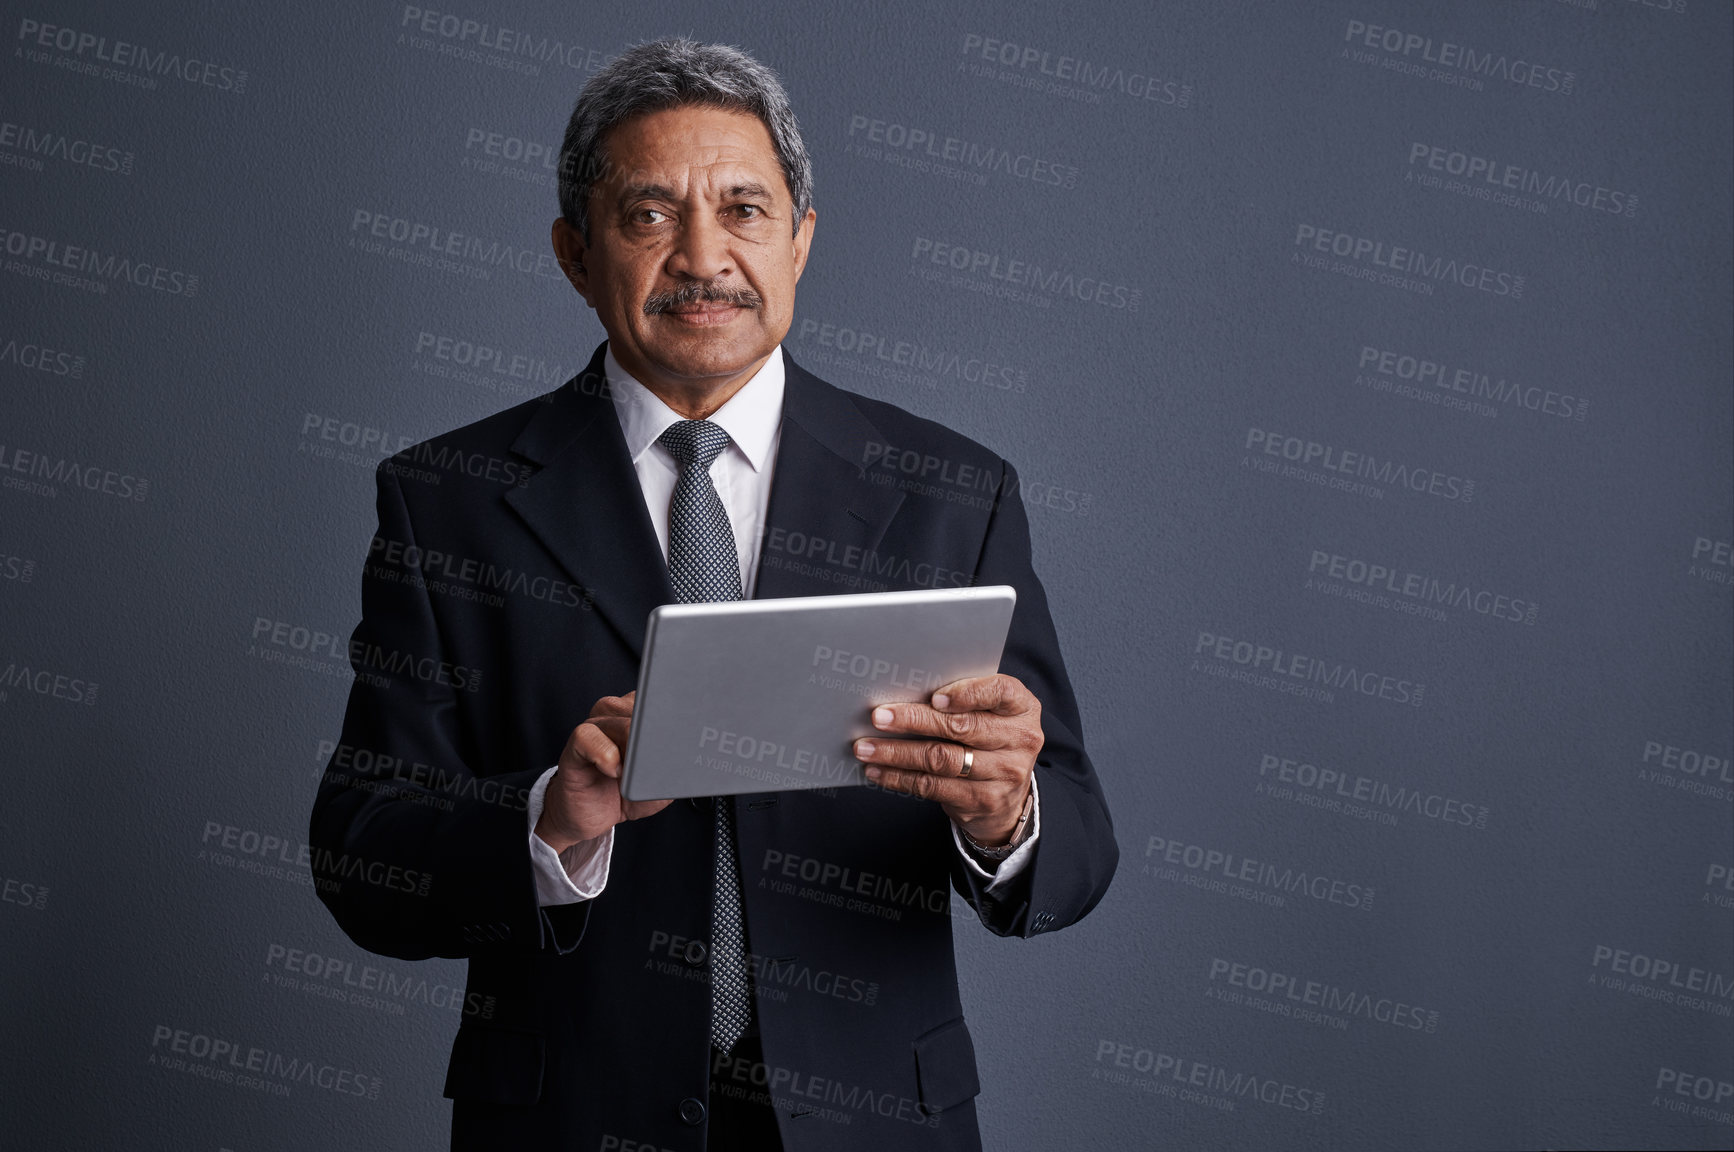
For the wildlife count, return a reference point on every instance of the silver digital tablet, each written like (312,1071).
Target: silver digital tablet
(770,695)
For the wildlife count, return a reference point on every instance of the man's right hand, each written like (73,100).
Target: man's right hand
(583,799)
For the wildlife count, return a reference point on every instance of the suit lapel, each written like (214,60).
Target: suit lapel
(586,506)
(820,491)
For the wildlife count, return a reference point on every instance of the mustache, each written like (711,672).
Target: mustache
(709,292)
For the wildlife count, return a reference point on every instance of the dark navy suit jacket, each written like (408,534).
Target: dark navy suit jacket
(507,590)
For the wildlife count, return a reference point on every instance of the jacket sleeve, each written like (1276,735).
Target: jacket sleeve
(1076,855)
(415,852)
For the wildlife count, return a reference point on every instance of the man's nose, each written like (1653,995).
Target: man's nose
(701,249)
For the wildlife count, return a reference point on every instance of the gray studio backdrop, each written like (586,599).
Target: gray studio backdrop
(1369,368)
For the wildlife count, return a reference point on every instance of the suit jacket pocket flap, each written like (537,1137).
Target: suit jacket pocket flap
(496,1066)
(945,1066)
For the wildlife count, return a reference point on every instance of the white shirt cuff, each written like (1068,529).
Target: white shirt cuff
(580,872)
(1008,868)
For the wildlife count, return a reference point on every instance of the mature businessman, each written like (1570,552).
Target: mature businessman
(759,971)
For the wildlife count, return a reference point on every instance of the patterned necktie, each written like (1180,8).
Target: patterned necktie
(703,565)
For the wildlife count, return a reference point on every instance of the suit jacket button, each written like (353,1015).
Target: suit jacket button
(692,1112)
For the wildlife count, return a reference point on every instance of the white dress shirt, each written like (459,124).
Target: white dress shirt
(753,418)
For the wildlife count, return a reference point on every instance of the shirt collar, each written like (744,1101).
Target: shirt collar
(750,417)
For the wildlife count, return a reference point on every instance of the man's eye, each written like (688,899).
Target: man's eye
(749,211)
(643,215)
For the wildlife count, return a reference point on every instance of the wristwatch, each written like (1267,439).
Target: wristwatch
(1017,836)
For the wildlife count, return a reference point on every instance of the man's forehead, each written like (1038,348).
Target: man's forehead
(713,148)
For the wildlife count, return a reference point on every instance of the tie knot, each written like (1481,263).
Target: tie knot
(694,443)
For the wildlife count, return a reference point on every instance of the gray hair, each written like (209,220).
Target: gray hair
(670,74)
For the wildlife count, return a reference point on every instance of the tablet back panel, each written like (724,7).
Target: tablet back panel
(770,695)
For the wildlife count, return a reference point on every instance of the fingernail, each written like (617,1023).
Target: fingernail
(941,700)
(873,773)
(882,717)
(863,748)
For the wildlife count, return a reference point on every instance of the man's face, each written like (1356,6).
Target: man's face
(693,258)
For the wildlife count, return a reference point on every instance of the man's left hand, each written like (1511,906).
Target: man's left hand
(995,719)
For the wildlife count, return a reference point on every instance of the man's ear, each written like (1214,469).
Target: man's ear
(804,241)
(570,251)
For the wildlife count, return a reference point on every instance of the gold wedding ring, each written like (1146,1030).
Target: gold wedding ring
(968,762)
